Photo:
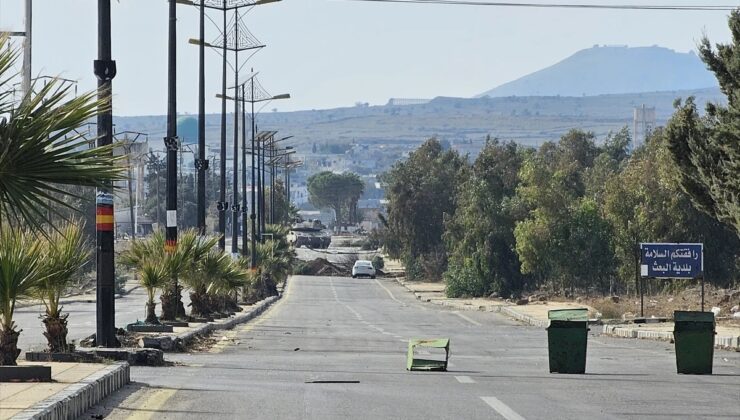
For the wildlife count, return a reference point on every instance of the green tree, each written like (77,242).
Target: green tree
(480,235)
(564,240)
(707,149)
(422,192)
(644,203)
(339,192)
(285,212)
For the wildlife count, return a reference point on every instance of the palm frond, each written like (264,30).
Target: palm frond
(39,148)
(65,253)
(20,270)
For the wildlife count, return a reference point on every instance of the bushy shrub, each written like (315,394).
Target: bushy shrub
(464,280)
(378,262)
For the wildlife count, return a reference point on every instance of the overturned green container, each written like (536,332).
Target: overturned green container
(567,336)
(417,363)
(694,336)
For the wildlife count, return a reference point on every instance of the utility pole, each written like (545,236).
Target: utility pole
(223,205)
(28,38)
(201,164)
(245,239)
(172,144)
(235,181)
(105,71)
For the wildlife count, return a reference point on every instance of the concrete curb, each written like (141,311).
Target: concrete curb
(524,318)
(170,343)
(74,400)
(506,310)
(724,342)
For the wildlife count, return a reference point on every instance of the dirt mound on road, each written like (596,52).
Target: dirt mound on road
(320,267)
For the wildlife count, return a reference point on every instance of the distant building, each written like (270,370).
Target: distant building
(407,101)
(644,123)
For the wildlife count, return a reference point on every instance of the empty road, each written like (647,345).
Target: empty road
(335,348)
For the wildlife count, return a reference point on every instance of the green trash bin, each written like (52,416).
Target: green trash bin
(694,336)
(567,336)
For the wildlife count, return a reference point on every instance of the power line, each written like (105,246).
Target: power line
(560,6)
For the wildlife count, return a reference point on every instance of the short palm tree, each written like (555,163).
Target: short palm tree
(224,287)
(147,258)
(208,264)
(154,276)
(274,263)
(21,271)
(40,148)
(179,264)
(65,253)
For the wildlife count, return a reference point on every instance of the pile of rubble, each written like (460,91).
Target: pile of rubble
(322,267)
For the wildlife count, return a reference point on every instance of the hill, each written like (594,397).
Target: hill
(613,70)
(528,120)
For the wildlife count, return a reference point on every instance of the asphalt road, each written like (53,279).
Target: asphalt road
(334,348)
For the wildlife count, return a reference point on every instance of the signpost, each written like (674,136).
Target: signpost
(671,261)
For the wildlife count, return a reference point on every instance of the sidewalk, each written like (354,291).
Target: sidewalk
(75,388)
(535,313)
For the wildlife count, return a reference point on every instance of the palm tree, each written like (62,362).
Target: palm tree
(147,258)
(274,263)
(153,277)
(65,253)
(208,264)
(21,271)
(226,284)
(179,264)
(40,148)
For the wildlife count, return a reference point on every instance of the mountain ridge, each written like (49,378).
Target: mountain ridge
(604,70)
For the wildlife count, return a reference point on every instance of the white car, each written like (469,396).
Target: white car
(363,268)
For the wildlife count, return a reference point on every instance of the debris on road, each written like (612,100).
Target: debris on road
(413,363)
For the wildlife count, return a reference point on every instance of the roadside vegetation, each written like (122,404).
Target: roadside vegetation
(44,164)
(569,215)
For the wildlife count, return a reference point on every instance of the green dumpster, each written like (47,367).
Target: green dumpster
(694,336)
(566,339)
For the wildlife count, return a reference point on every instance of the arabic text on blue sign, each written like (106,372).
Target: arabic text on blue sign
(672,260)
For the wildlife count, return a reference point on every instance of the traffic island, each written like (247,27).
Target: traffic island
(75,387)
(182,337)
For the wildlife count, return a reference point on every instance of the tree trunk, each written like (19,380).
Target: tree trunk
(56,334)
(172,307)
(151,315)
(9,350)
(200,303)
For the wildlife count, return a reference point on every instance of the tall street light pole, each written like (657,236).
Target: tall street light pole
(105,71)
(235,181)
(245,239)
(201,164)
(172,145)
(222,204)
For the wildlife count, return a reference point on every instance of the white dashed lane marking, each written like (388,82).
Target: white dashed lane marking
(467,318)
(464,379)
(504,410)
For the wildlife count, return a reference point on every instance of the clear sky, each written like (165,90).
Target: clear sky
(332,53)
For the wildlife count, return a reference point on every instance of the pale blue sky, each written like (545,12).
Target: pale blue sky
(331,53)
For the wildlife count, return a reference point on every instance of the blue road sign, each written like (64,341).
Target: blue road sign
(684,261)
